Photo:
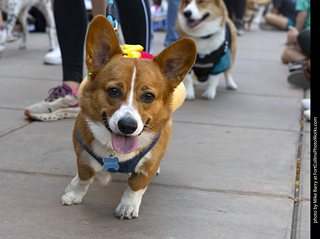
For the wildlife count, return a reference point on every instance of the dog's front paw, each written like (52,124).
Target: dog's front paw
(127,211)
(188,83)
(75,191)
(130,203)
(190,96)
(71,198)
(209,94)
(23,46)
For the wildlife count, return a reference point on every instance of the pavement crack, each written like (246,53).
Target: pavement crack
(15,128)
(296,203)
(231,126)
(153,184)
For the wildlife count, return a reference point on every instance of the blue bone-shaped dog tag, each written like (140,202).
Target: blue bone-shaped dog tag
(111,163)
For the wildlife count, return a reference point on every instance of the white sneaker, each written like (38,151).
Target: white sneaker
(306,104)
(61,103)
(307,114)
(53,57)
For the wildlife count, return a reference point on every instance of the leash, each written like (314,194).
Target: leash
(111,13)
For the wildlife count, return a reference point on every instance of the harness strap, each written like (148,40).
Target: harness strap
(128,166)
(205,63)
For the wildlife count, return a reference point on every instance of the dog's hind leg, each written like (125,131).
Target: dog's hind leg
(23,21)
(46,10)
(231,85)
(12,16)
(211,90)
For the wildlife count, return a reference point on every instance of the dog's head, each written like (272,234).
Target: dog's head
(200,17)
(130,98)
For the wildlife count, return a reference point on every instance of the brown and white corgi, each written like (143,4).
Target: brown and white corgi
(207,23)
(250,11)
(125,120)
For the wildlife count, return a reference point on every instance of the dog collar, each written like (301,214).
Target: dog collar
(207,36)
(112,164)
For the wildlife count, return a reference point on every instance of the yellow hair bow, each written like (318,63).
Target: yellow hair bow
(132,51)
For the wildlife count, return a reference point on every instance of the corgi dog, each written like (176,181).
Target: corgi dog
(250,11)
(124,124)
(207,23)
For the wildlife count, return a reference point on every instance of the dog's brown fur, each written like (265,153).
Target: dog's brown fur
(109,68)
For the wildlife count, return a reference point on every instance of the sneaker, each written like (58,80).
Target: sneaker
(61,103)
(306,104)
(298,78)
(307,114)
(268,27)
(239,27)
(295,65)
(53,57)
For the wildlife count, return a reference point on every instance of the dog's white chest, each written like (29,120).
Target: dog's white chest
(208,45)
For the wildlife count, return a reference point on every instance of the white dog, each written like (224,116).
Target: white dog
(18,10)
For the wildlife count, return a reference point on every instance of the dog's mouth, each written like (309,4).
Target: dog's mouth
(193,23)
(123,144)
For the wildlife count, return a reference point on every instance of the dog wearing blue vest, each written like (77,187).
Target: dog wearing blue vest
(124,125)
(207,23)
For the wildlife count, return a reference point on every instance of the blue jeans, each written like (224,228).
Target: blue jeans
(172,35)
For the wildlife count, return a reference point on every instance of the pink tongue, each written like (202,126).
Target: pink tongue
(124,144)
(193,23)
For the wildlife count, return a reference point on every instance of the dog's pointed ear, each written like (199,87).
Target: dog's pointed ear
(101,45)
(176,60)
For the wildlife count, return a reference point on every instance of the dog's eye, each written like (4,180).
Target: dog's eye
(186,2)
(114,92)
(147,97)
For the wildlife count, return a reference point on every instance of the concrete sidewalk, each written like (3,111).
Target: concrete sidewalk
(230,170)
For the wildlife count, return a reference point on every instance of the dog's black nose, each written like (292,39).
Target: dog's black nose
(187,14)
(127,125)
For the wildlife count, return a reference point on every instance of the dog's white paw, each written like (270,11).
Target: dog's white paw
(209,94)
(190,96)
(71,198)
(75,191)
(188,82)
(232,86)
(23,46)
(127,211)
(129,206)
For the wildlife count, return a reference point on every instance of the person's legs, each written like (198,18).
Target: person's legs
(292,53)
(277,20)
(239,6)
(172,35)
(71,23)
(62,102)
(229,6)
(135,20)
(99,7)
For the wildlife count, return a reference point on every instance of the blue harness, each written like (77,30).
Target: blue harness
(112,164)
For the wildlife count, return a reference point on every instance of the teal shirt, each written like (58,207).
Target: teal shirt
(304,5)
